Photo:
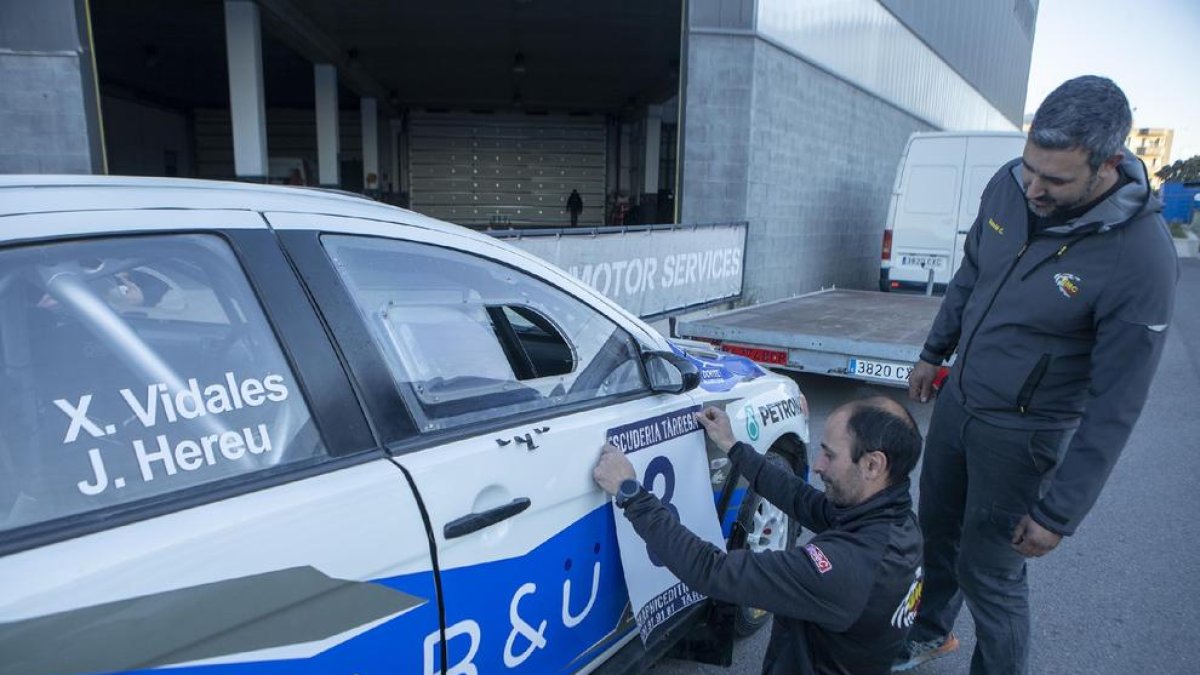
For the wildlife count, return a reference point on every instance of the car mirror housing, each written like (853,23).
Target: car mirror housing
(670,373)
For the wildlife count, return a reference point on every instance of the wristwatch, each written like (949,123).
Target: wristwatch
(628,490)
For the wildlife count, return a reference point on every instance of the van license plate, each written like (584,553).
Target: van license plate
(879,370)
(936,262)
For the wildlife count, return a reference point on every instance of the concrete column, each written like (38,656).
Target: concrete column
(653,147)
(243,47)
(395,127)
(328,141)
(652,127)
(370,145)
(49,105)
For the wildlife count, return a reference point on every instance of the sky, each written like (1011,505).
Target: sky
(1150,48)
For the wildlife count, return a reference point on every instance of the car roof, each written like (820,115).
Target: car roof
(44,195)
(27,194)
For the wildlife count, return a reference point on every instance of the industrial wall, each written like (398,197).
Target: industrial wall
(47,89)
(797,129)
(987,43)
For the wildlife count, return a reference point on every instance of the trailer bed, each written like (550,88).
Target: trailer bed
(865,335)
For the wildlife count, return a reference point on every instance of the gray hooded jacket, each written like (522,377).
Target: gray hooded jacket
(1063,329)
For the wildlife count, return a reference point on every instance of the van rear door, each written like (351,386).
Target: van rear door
(985,155)
(923,233)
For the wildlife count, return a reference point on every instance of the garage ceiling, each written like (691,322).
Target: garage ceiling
(586,55)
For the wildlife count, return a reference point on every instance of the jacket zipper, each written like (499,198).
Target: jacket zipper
(962,368)
(1031,383)
(1062,250)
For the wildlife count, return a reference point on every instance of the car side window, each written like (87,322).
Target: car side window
(468,339)
(134,367)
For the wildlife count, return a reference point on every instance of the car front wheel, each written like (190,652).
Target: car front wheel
(767,527)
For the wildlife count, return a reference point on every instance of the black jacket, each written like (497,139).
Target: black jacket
(843,603)
(1063,329)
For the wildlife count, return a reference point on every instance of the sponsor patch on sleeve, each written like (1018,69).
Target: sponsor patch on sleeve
(818,558)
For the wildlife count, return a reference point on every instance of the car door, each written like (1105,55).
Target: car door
(187,479)
(510,385)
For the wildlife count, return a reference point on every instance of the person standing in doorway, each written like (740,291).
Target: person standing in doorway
(1058,316)
(574,207)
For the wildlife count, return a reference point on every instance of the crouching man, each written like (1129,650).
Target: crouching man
(844,602)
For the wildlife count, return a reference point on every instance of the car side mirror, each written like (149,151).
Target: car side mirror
(670,373)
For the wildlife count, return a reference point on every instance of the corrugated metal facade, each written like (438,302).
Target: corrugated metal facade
(476,169)
(867,45)
(988,43)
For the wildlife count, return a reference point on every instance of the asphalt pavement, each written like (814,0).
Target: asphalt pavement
(1123,594)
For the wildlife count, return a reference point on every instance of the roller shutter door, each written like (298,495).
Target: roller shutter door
(506,170)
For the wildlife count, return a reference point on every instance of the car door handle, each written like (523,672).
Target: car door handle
(477,521)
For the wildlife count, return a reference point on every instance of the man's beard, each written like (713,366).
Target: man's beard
(839,494)
(1057,209)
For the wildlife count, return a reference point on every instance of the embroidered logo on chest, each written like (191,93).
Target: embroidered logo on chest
(818,558)
(1068,284)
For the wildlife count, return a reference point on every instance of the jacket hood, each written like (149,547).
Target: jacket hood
(1131,200)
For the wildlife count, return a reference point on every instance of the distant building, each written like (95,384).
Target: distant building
(1153,146)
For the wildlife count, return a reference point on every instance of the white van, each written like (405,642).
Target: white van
(939,180)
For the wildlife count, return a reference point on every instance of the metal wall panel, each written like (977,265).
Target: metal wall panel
(989,42)
(506,169)
(865,44)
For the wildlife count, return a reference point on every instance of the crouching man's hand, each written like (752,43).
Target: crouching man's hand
(612,469)
(716,425)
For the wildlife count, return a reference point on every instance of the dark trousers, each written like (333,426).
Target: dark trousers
(977,482)
(574,218)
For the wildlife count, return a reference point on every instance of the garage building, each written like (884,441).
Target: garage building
(788,116)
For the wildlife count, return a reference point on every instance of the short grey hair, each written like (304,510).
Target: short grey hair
(1090,113)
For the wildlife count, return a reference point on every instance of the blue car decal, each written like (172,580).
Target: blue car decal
(721,372)
(553,610)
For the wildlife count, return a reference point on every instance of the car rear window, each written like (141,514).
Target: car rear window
(134,367)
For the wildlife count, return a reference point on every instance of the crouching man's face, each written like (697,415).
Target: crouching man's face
(845,484)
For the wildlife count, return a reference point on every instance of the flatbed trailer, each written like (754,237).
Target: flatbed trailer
(864,335)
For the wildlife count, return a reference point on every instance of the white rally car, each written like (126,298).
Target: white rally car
(265,429)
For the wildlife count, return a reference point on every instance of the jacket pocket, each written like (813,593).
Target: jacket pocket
(1031,383)
(1046,449)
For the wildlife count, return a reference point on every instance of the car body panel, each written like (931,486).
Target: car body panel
(155,579)
(337,567)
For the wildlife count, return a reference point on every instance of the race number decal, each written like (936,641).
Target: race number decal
(669,456)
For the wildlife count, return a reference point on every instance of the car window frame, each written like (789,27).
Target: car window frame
(298,334)
(368,364)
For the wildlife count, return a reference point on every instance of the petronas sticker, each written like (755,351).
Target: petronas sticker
(751,424)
